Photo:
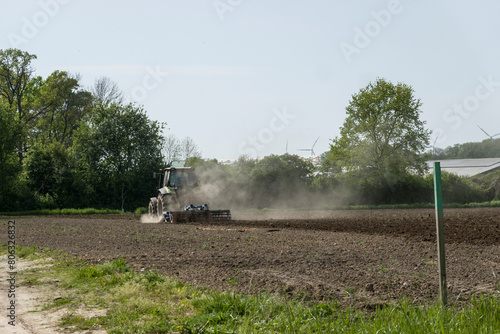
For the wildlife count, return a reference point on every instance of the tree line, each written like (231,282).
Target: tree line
(378,158)
(66,146)
(488,148)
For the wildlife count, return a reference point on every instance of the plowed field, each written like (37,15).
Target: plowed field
(362,258)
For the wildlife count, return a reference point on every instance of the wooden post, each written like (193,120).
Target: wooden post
(440,232)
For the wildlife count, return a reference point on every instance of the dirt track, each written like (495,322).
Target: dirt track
(363,258)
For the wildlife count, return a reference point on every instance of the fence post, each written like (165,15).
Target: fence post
(440,232)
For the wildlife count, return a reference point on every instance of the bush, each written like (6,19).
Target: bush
(410,189)
(458,189)
(141,210)
(358,188)
(490,183)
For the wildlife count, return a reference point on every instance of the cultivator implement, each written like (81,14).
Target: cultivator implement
(197,214)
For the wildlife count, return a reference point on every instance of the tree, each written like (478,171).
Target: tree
(16,74)
(52,175)
(488,148)
(277,180)
(174,149)
(9,165)
(64,105)
(118,150)
(171,149)
(189,149)
(325,178)
(382,137)
(107,91)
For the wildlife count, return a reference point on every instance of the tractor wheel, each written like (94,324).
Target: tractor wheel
(161,207)
(153,207)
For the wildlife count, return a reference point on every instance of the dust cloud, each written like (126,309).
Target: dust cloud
(146,219)
(222,187)
(232,188)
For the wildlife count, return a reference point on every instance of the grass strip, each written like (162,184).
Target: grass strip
(147,302)
(56,212)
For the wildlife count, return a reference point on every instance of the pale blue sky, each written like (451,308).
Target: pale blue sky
(246,76)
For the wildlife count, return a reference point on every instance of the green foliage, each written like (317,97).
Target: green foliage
(64,107)
(42,212)
(382,136)
(274,181)
(359,188)
(150,279)
(409,188)
(328,164)
(457,189)
(379,152)
(488,148)
(141,210)
(16,83)
(15,74)
(52,176)
(241,187)
(26,252)
(62,147)
(277,179)
(80,152)
(117,151)
(490,183)
(229,313)
(10,168)
(107,269)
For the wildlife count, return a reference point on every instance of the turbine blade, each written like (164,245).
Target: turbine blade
(315,143)
(484,131)
(435,140)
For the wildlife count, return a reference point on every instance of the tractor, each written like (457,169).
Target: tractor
(179,198)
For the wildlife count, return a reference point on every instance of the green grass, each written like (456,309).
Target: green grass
(231,313)
(141,211)
(88,211)
(147,302)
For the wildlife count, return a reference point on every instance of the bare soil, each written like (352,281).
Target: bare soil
(359,258)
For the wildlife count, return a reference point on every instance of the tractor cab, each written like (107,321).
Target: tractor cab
(180,177)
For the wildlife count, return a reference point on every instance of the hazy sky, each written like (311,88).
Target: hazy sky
(246,76)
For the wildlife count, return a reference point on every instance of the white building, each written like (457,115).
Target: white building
(467,167)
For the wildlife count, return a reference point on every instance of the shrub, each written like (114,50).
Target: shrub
(458,189)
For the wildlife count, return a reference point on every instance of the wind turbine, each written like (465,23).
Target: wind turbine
(491,137)
(310,149)
(434,145)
